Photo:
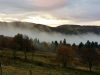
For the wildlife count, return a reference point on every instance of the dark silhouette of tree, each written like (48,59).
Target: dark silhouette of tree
(80,48)
(96,45)
(18,39)
(88,44)
(56,44)
(15,47)
(92,45)
(91,56)
(60,41)
(81,45)
(64,41)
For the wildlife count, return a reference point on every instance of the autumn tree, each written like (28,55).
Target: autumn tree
(26,45)
(91,56)
(64,54)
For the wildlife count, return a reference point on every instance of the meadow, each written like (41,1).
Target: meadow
(40,65)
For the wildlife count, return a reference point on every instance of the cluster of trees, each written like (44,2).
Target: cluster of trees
(18,42)
(89,53)
(47,47)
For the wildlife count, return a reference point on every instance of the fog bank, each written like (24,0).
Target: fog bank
(49,37)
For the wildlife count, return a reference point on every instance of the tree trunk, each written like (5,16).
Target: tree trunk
(30,72)
(90,66)
(14,55)
(25,53)
(0,69)
(25,56)
(64,63)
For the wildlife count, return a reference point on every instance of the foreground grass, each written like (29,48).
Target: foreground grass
(39,66)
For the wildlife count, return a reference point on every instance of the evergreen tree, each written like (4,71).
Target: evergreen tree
(64,41)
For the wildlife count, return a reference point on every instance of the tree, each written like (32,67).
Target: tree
(15,47)
(91,56)
(64,54)
(64,41)
(45,47)
(10,42)
(81,45)
(18,39)
(56,44)
(60,41)
(37,44)
(27,44)
(1,41)
(80,48)
(88,44)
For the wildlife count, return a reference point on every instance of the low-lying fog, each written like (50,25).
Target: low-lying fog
(49,37)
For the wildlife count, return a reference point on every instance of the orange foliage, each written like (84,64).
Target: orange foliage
(64,54)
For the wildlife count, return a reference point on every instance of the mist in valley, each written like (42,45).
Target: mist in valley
(49,37)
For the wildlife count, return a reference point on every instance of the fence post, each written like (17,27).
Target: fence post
(30,72)
(0,69)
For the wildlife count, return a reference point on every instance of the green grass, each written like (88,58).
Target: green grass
(39,66)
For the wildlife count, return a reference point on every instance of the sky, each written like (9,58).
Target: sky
(51,12)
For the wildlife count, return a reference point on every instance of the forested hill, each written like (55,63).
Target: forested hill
(77,29)
(65,29)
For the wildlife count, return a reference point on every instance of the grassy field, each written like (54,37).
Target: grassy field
(39,66)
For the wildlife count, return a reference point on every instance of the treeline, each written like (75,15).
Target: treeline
(88,53)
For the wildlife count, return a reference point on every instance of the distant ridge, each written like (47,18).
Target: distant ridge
(65,29)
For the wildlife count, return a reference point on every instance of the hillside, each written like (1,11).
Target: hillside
(20,66)
(65,29)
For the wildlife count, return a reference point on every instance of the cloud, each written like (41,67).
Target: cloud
(50,4)
(80,11)
(30,5)
(76,11)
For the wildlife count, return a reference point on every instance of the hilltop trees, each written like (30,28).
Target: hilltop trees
(64,54)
